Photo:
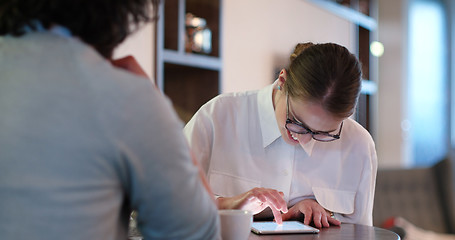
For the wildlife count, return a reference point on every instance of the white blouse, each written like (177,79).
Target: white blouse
(236,139)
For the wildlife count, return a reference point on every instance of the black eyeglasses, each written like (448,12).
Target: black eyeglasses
(299,128)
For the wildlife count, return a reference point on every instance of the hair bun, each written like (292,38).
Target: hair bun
(299,49)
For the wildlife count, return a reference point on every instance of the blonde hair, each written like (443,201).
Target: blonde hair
(327,74)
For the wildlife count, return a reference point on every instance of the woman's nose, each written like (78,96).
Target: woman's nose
(304,138)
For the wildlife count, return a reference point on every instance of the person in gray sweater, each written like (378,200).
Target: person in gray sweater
(82,141)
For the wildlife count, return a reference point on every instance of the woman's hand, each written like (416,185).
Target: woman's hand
(130,64)
(313,212)
(256,200)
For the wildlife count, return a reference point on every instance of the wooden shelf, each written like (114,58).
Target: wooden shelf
(347,13)
(369,87)
(189,79)
(192,60)
(189,88)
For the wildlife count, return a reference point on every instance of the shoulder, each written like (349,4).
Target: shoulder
(230,103)
(224,112)
(356,133)
(115,91)
(358,145)
(235,98)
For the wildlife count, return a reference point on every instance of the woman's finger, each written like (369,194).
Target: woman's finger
(277,201)
(277,216)
(325,221)
(317,217)
(334,221)
(308,215)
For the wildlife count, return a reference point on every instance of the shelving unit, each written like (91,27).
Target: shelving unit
(358,12)
(189,79)
(364,106)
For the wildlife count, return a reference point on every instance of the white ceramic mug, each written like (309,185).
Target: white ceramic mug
(235,224)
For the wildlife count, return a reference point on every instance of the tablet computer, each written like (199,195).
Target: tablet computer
(287,227)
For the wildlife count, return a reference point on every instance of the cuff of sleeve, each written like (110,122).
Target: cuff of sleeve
(294,201)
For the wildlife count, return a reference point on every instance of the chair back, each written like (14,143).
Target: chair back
(423,196)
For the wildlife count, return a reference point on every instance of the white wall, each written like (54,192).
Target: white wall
(392,142)
(259,36)
(141,45)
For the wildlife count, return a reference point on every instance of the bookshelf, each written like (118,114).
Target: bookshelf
(188,77)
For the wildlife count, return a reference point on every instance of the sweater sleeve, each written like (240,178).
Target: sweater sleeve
(163,183)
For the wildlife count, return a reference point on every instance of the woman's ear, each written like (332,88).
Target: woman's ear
(282,77)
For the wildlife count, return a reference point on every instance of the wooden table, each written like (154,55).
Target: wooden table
(345,231)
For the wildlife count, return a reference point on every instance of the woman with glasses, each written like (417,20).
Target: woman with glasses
(291,146)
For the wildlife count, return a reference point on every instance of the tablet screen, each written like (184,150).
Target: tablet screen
(287,227)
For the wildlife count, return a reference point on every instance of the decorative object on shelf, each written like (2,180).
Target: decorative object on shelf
(198,38)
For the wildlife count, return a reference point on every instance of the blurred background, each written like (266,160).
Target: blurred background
(200,48)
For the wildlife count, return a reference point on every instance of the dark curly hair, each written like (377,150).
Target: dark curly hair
(103,24)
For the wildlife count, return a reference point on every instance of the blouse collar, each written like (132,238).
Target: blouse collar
(267,119)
